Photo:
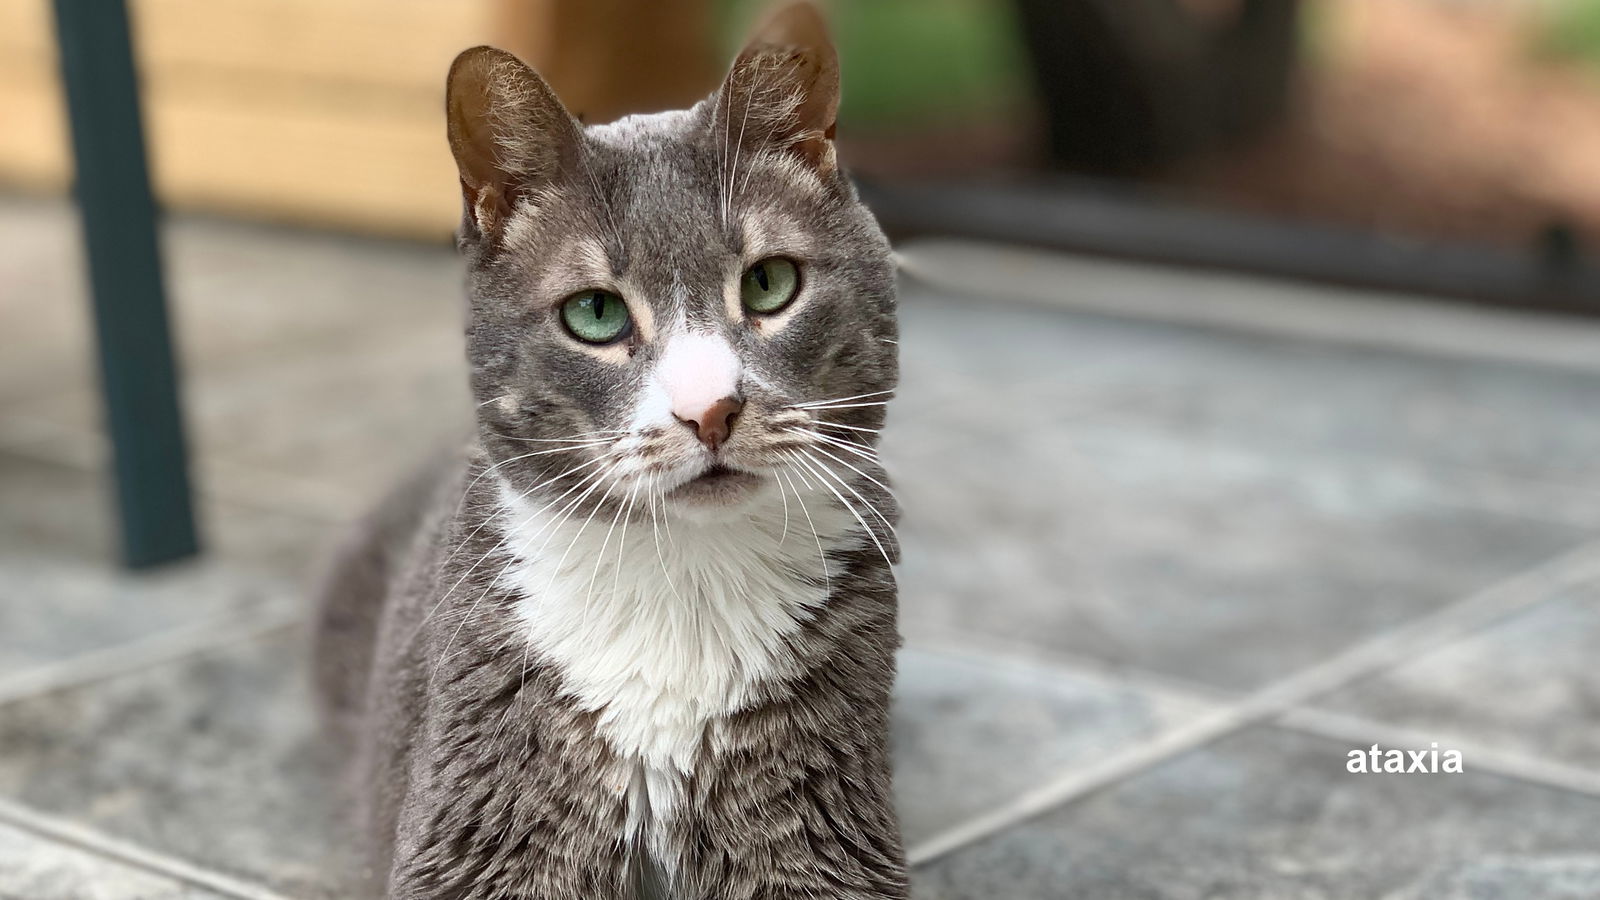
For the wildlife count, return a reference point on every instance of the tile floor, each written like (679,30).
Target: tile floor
(1159,579)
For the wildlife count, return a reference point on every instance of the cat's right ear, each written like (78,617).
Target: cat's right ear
(508,131)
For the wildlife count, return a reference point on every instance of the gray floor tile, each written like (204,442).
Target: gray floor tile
(62,591)
(43,311)
(1270,814)
(1206,561)
(307,358)
(215,760)
(1294,397)
(1101,487)
(1528,685)
(345,423)
(35,868)
(239,294)
(970,734)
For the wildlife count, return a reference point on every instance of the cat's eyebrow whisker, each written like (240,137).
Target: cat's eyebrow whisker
(733,170)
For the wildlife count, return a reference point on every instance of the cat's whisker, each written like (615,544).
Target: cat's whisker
(666,570)
(504,462)
(600,556)
(822,557)
(867,453)
(598,480)
(847,406)
(783,495)
(871,532)
(573,543)
(858,472)
(464,494)
(503,541)
(804,480)
(824,423)
(845,483)
(811,404)
(595,481)
(622,541)
(590,438)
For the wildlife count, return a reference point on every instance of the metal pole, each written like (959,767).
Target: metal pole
(138,376)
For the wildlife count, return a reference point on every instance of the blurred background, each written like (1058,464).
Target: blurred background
(1250,414)
(1465,122)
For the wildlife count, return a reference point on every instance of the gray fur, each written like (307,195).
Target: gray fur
(477,775)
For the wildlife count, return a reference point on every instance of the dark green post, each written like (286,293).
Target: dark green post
(138,377)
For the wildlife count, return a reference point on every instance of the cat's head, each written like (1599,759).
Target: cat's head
(690,305)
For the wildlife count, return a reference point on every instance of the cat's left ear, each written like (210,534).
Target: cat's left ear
(509,133)
(783,90)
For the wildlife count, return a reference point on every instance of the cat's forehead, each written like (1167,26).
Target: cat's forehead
(661,159)
(644,129)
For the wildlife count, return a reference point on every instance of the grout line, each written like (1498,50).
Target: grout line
(1367,658)
(87,839)
(143,653)
(1013,654)
(1476,758)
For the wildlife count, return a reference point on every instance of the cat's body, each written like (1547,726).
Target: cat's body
(638,640)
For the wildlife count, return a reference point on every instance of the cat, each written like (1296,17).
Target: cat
(637,640)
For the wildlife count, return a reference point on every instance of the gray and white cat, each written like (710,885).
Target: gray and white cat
(638,641)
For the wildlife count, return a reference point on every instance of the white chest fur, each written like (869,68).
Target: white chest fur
(660,628)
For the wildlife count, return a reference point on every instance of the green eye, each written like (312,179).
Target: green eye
(597,317)
(769,285)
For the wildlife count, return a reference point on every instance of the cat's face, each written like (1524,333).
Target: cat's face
(690,307)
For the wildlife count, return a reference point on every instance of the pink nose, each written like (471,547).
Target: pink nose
(712,424)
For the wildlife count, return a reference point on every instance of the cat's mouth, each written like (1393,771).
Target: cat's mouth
(717,486)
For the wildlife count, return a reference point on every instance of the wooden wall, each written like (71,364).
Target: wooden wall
(323,112)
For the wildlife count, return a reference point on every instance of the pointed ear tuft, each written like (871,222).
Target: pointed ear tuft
(783,90)
(508,131)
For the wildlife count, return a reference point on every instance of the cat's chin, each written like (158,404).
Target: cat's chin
(715,492)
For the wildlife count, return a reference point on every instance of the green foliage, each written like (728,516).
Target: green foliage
(909,62)
(1570,31)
